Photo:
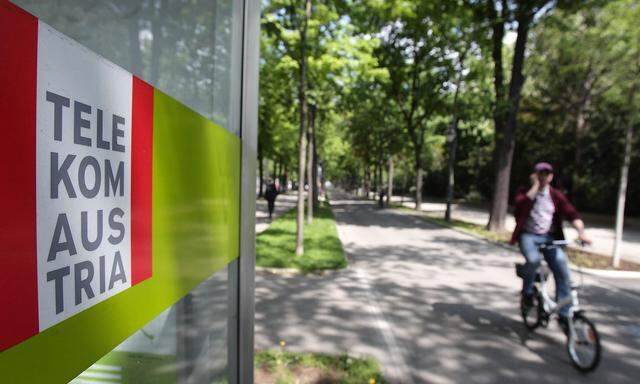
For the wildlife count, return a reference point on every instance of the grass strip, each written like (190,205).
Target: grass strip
(577,257)
(284,367)
(275,247)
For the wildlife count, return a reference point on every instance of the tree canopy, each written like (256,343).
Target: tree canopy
(401,80)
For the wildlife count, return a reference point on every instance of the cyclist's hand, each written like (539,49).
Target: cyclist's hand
(584,240)
(534,179)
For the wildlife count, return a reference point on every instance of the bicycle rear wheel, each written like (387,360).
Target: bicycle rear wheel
(583,344)
(531,315)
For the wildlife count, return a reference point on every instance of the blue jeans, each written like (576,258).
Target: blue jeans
(555,258)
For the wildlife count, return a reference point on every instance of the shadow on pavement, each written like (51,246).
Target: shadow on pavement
(451,302)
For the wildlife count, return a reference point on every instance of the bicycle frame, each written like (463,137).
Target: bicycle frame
(550,306)
(582,338)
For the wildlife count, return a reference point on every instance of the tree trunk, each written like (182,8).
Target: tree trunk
(582,125)
(453,144)
(285,178)
(377,175)
(390,181)
(498,85)
(367,181)
(279,173)
(260,171)
(505,141)
(418,206)
(405,182)
(380,187)
(624,174)
(302,96)
(622,194)
(314,174)
(275,171)
(417,154)
(310,163)
(374,184)
(451,166)
(302,145)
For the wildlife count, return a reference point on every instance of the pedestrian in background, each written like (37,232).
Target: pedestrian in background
(271,194)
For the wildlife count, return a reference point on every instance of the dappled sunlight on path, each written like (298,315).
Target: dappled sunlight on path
(435,305)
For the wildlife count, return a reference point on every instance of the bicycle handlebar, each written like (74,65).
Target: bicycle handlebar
(561,243)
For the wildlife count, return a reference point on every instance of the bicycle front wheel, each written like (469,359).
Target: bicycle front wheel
(531,314)
(583,344)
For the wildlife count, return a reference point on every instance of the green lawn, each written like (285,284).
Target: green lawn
(275,247)
(576,256)
(471,228)
(284,367)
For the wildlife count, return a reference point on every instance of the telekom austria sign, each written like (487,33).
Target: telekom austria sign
(92,184)
(102,227)
(86,112)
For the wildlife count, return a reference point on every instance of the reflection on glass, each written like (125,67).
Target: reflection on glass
(187,343)
(188,49)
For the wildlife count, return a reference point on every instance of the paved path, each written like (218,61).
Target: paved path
(600,228)
(284,202)
(437,306)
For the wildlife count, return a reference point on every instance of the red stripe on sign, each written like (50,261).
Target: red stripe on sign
(18,267)
(141,177)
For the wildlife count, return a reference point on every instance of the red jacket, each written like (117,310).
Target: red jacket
(523,206)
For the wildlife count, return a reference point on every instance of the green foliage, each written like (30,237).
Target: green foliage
(333,56)
(574,109)
(383,75)
(275,247)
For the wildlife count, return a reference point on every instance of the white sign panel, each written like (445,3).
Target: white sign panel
(83,178)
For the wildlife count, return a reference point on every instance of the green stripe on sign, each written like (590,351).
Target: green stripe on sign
(196,191)
(196,213)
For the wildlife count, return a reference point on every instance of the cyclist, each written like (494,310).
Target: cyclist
(539,212)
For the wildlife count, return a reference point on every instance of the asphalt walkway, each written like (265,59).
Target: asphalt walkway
(437,306)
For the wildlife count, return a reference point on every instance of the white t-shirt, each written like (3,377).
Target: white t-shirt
(541,215)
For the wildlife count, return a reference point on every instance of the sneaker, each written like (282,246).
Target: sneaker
(563,322)
(527,300)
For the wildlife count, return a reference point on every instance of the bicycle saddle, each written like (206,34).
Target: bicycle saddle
(543,269)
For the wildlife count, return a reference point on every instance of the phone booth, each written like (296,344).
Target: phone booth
(128,171)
